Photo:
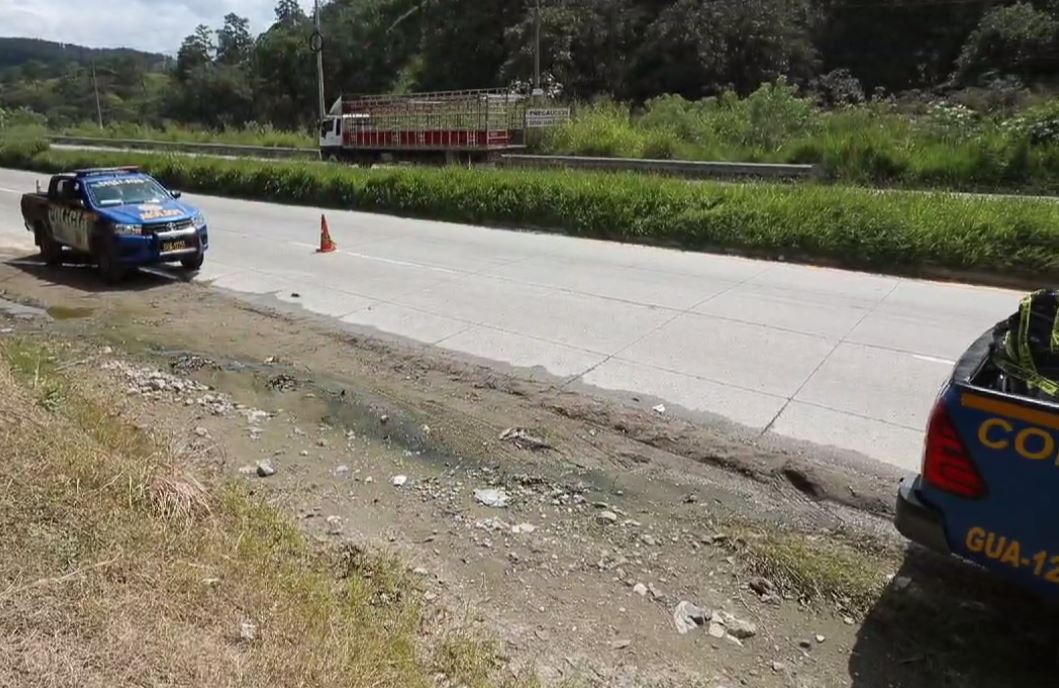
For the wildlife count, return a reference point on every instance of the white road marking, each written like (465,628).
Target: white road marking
(388,261)
(9,190)
(932,359)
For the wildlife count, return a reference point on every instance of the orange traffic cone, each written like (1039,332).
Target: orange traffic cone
(326,245)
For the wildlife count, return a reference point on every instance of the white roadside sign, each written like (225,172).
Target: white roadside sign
(537,118)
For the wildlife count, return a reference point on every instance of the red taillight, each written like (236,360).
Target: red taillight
(946,464)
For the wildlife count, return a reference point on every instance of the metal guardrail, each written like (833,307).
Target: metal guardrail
(678,168)
(222,149)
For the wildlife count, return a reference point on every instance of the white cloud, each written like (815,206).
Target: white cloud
(154,25)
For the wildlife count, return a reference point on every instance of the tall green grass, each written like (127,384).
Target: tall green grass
(900,232)
(251,134)
(943,146)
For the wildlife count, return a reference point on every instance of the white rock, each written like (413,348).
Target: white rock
(660,409)
(523,528)
(265,468)
(247,631)
(715,629)
(606,517)
(640,589)
(399,480)
(342,470)
(492,497)
(202,432)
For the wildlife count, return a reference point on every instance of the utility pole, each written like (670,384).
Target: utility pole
(318,48)
(95,87)
(537,50)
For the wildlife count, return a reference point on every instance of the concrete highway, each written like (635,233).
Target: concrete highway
(847,360)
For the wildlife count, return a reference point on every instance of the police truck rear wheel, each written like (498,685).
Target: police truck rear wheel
(51,251)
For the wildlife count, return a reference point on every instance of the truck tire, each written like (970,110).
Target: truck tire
(193,262)
(51,251)
(110,269)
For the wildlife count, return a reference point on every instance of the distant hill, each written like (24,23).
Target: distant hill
(17,51)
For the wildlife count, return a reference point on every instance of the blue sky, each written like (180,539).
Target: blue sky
(154,25)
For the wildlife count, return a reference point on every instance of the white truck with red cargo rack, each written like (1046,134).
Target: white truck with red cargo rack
(443,127)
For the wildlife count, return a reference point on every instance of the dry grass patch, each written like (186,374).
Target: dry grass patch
(122,567)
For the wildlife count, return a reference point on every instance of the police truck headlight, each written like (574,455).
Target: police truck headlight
(199,220)
(128,229)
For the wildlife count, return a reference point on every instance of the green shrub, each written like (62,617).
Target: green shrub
(894,231)
(601,129)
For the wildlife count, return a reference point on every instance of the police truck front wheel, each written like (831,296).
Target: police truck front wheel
(193,262)
(51,251)
(110,268)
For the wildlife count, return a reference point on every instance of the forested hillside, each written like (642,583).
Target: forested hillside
(629,50)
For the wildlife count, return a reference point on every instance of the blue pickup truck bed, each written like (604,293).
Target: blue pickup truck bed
(990,477)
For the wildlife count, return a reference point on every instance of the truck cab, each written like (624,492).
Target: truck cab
(121,217)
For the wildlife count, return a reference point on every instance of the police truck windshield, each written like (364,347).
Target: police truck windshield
(126,191)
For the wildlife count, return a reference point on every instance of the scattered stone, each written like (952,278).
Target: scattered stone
(649,540)
(342,470)
(715,629)
(660,409)
(384,419)
(848,620)
(255,416)
(248,470)
(211,582)
(420,571)
(779,667)
(522,439)
(490,524)
(805,644)
(399,480)
(737,628)
(491,497)
(202,432)
(247,632)
(369,480)
(430,596)
(295,295)
(606,517)
(281,383)
(819,638)
(688,617)
(265,468)
(762,586)
(901,583)
(425,429)
(523,528)
(691,499)
(640,589)
(655,592)
(620,644)
(321,442)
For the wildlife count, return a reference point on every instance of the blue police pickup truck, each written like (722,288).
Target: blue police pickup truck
(121,217)
(988,487)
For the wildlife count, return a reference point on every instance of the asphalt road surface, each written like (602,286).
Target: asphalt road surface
(846,361)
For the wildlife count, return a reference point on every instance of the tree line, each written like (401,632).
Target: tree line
(631,50)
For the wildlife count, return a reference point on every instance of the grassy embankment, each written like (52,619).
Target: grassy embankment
(944,145)
(125,563)
(898,232)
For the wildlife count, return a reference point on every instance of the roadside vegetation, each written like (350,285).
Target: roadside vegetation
(250,134)
(126,562)
(979,142)
(899,232)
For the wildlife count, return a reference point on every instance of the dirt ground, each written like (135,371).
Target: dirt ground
(619,519)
